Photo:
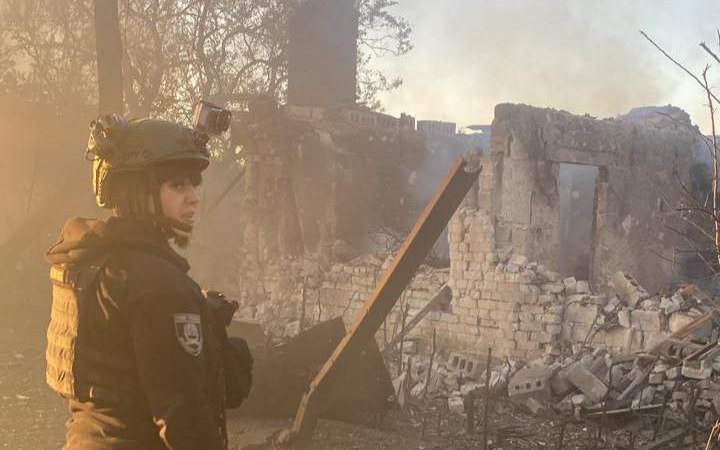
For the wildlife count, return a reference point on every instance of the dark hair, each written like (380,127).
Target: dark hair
(129,192)
(179,170)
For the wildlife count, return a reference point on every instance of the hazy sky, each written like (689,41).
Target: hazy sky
(583,56)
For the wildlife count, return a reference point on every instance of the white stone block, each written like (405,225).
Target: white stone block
(679,320)
(582,287)
(645,320)
(570,284)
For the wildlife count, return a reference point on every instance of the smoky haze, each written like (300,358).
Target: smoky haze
(585,57)
(469,55)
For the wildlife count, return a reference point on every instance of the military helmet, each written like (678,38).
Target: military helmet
(116,145)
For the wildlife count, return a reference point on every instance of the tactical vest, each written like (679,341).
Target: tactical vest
(86,361)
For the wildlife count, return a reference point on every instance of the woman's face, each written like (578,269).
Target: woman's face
(179,200)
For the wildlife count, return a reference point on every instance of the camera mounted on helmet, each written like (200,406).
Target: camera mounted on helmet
(144,149)
(210,119)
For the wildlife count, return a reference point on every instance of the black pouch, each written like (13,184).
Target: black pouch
(237,359)
(238,371)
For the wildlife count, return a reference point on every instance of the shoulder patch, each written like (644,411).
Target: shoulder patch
(188,331)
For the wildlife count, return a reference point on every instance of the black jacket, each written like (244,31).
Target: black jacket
(146,309)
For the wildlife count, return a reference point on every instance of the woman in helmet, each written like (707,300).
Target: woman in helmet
(132,343)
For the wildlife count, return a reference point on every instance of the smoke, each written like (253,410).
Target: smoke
(585,57)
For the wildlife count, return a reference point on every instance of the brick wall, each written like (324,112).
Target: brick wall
(518,308)
(501,299)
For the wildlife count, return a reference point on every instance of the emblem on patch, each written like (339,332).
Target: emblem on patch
(188,332)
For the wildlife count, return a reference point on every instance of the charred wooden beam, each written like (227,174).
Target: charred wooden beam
(448,196)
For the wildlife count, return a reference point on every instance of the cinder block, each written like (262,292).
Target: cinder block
(628,288)
(559,384)
(553,276)
(589,384)
(656,378)
(580,313)
(530,289)
(464,363)
(470,320)
(645,320)
(530,382)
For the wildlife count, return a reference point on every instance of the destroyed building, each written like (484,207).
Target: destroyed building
(569,219)
(560,286)
(508,286)
(312,198)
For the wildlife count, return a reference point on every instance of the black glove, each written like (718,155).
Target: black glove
(221,308)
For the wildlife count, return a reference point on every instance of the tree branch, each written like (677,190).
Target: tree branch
(694,77)
(705,47)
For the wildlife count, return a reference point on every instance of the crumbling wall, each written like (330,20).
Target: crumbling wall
(501,299)
(319,182)
(299,293)
(635,187)
(314,177)
(523,309)
(518,308)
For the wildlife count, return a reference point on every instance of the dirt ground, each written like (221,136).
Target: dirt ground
(33,418)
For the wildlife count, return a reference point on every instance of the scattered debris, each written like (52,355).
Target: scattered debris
(666,394)
(622,365)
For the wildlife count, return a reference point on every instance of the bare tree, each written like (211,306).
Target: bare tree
(52,58)
(175,51)
(224,50)
(381,33)
(700,208)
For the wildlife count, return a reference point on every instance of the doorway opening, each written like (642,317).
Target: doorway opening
(576,188)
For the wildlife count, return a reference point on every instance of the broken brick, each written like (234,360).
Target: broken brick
(587,382)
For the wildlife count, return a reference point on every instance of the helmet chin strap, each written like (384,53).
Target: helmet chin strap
(171,227)
(165,221)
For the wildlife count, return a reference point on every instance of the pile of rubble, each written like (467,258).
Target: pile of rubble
(671,386)
(625,319)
